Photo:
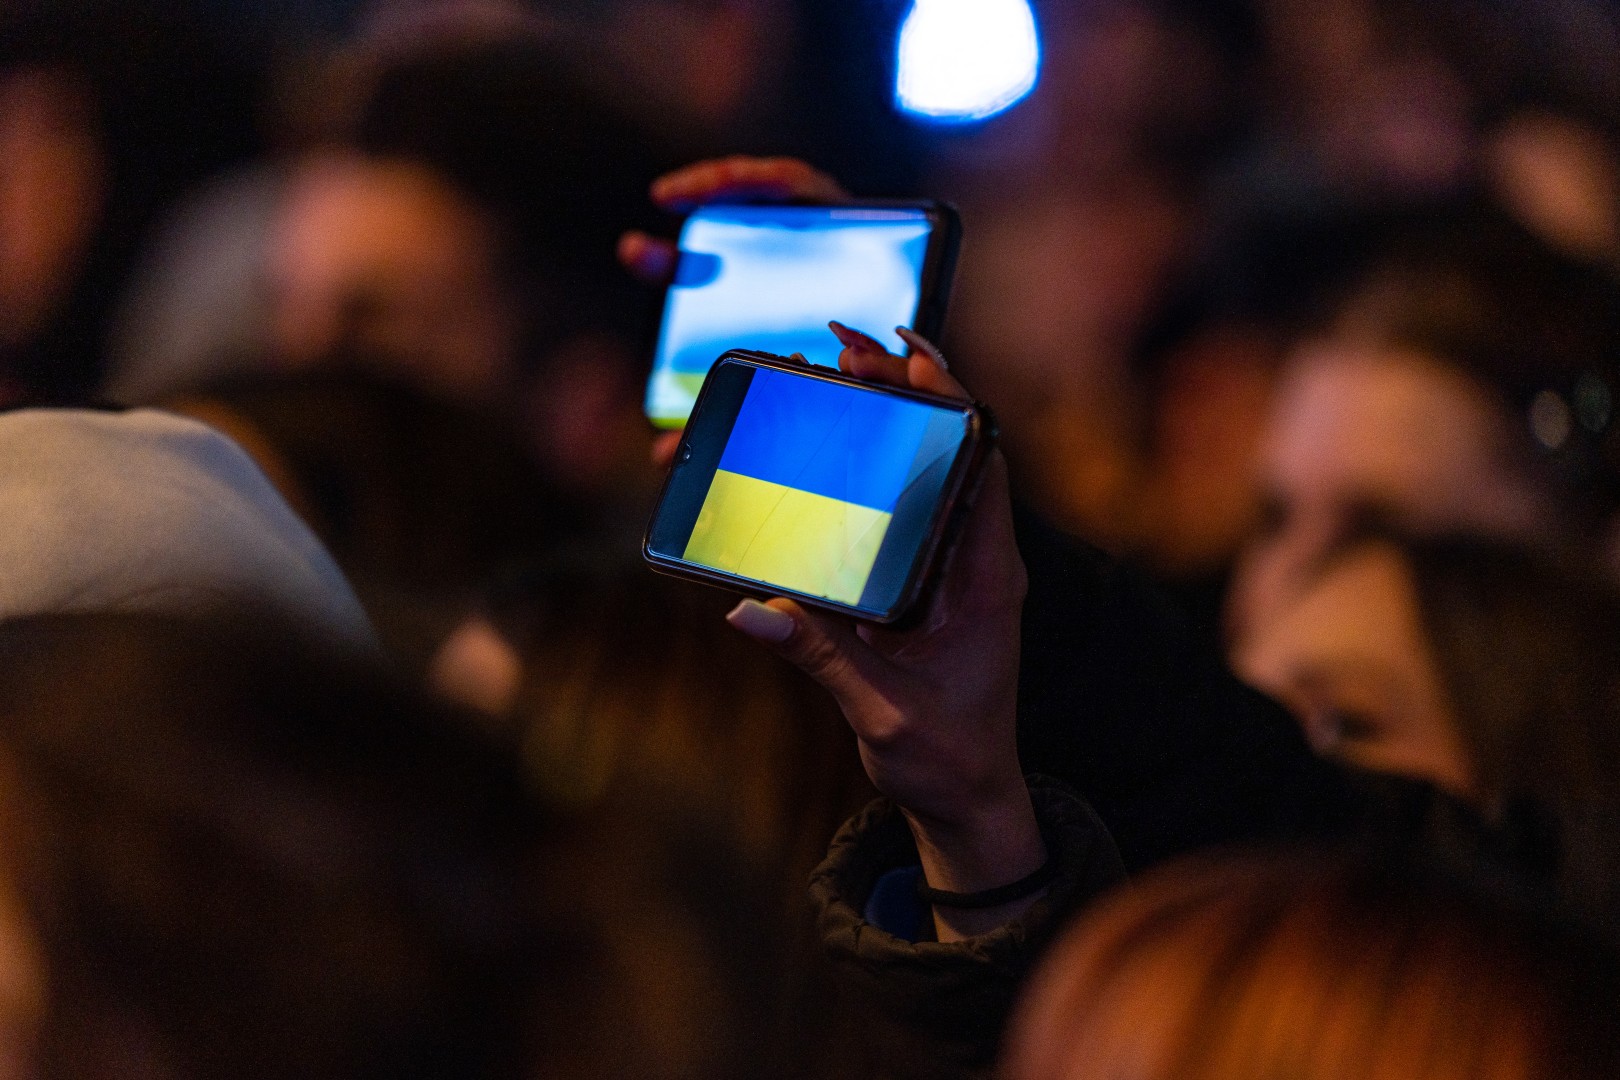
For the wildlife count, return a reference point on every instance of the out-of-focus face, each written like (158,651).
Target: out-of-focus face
(387,259)
(1359,436)
(1350,658)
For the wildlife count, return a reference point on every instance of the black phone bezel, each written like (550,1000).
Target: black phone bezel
(934,288)
(955,496)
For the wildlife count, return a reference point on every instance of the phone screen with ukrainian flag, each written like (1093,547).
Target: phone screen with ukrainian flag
(804,485)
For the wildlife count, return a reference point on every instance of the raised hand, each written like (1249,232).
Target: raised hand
(934,706)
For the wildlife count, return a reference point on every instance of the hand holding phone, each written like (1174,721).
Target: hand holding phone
(934,706)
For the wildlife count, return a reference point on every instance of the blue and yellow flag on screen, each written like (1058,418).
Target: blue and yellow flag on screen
(808,483)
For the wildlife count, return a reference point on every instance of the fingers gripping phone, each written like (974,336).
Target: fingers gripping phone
(770,278)
(799,481)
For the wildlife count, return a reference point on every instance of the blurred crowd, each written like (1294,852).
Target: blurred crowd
(1266,722)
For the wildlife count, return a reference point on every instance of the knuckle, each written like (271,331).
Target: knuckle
(819,656)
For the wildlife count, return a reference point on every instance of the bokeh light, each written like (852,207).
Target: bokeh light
(966,60)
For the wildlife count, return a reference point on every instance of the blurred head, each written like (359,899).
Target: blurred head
(464,239)
(1312,967)
(230,854)
(1467,382)
(605,674)
(385,257)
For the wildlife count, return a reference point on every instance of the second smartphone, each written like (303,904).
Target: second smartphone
(803,482)
(770,278)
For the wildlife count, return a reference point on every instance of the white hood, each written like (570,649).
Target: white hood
(146,511)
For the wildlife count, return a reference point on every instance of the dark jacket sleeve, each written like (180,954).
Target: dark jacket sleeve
(937,1010)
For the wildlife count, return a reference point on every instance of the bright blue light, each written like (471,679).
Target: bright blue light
(966,60)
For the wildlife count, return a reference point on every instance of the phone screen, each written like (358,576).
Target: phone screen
(810,486)
(769,278)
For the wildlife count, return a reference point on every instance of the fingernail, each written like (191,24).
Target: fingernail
(852,339)
(762,623)
(922,345)
(801,358)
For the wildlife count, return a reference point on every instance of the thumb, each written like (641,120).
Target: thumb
(825,648)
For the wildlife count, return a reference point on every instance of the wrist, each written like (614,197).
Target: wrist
(994,841)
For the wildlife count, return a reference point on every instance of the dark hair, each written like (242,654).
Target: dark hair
(1529,652)
(1231,966)
(630,678)
(420,500)
(628,674)
(561,174)
(1534,328)
(245,857)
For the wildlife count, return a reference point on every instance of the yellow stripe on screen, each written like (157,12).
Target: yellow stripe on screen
(786,537)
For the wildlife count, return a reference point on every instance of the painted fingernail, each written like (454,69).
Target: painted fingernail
(852,339)
(762,623)
(922,345)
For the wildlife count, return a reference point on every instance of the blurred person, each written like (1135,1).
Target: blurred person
(453,369)
(1461,382)
(1477,667)
(453,374)
(452,222)
(503,187)
(231,852)
(102,128)
(1312,965)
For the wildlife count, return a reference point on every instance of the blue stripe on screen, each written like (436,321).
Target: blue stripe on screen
(854,446)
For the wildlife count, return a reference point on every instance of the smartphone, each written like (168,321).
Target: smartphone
(792,480)
(770,278)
